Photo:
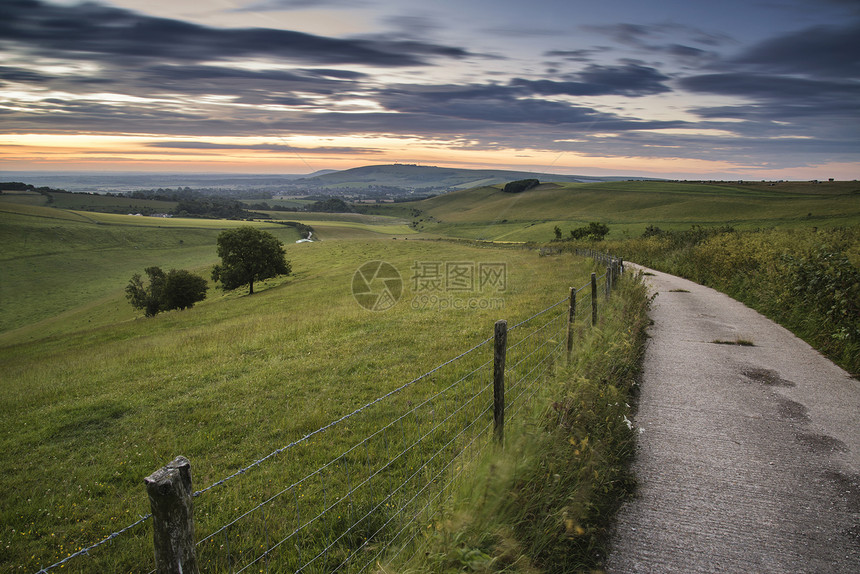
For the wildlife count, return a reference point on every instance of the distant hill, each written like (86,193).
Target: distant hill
(434,179)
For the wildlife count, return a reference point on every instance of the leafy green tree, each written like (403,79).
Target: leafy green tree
(182,289)
(147,297)
(247,255)
(557,231)
(594,231)
(176,289)
(520,186)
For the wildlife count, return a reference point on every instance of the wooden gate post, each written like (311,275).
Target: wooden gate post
(499,351)
(594,299)
(169,490)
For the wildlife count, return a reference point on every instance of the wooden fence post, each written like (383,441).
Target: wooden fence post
(169,490)
(499,353)
(571,317)
(594,299)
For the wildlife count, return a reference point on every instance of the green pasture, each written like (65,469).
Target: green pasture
(94,409)
(88,202)
(629,207)
(63,270)
(95,397)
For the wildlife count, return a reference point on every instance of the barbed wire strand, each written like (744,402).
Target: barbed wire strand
(358,486)
(340,420)
(96,545)
(539,313)
(346,452)
(429,482)
(308,436)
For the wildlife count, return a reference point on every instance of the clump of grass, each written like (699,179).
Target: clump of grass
(545,503)
(679,290)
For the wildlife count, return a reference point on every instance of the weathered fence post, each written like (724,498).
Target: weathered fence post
(594,299)
(499,352)
(169,490)
(571,317)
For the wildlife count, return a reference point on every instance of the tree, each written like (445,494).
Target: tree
(557,231)
(146,297)
(176,289)
(520,186)
(594,231)
(247,255)
(182,289)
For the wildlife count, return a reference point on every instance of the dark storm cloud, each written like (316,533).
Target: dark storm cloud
(97,32)
(629,80)
(583,55)
(507,104)
(223,80)
(653,38)
(278,5)
(803,78)
(808,92)
(829,51)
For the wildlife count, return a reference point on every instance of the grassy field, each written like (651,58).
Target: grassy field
(95,397)
(64,270)
(629,207)
(81,261)
(95,406)
(89,202)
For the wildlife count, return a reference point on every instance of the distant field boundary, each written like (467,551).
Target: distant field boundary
(385,487)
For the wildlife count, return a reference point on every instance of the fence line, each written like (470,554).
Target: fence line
(342,484)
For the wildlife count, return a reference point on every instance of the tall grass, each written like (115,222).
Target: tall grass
(545,502)
(807,279)
(90,413)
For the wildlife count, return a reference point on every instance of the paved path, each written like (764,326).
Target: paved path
(750,456)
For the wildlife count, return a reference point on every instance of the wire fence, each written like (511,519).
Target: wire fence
(389,468)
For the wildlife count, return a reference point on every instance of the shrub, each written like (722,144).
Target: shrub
(520,185)
(177,289)
(594,231)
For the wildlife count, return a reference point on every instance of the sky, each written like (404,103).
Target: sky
(692,89)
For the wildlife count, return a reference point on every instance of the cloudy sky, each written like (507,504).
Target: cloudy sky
(754,89)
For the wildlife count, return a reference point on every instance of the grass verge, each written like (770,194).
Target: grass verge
(546,501)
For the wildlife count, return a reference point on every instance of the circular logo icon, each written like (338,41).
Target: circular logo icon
(377,285)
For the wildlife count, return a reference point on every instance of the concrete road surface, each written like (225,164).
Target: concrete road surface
(749,460)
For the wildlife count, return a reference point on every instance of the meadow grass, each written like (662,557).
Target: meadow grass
(96,397)
(58,261)
(628,207)
(545,503)
(88,414)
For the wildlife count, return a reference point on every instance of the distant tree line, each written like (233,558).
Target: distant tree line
(20,186)
(520,185)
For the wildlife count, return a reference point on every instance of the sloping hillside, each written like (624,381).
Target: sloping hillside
(487,212)
(430,178)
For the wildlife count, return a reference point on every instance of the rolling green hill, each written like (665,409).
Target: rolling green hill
(430,178)
(629,206)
